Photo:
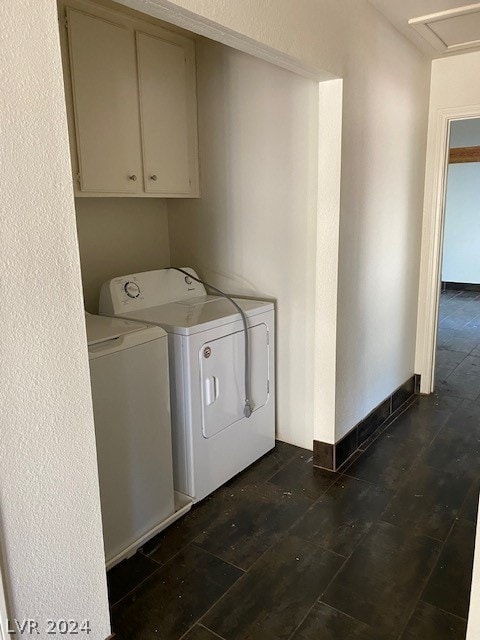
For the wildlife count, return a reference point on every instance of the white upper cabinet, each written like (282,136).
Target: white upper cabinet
(132,105)
(105,102)
(162,76)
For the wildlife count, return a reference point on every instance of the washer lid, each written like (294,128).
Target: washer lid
(102,328)
(197,314)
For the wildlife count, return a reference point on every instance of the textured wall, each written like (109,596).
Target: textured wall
(50,522)
(258,156)
(119,236)
(386,85)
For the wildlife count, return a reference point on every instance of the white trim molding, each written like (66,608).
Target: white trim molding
(432,238)
(425,26)
(170,12)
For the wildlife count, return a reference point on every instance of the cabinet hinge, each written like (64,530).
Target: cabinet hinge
(268,387)
(64,21)
(268,338)
(77,177)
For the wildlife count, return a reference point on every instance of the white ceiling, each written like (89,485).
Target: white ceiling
(456,28)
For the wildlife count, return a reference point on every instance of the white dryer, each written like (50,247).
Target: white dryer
(212,440)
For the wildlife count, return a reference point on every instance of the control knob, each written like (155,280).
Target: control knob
(132,289)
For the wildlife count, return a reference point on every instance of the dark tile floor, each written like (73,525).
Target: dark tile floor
(381,551)
(458,347)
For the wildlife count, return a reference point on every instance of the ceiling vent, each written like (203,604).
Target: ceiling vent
(451,30)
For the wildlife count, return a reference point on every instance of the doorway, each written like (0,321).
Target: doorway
(457,361)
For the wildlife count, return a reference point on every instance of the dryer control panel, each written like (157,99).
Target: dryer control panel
(148,289)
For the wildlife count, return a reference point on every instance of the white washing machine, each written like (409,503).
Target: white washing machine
(131,405)
(212,440)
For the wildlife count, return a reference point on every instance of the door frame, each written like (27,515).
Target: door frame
(432,238)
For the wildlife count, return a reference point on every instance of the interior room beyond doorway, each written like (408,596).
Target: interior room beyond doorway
(457,370)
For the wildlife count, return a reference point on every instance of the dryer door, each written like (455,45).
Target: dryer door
(222,363)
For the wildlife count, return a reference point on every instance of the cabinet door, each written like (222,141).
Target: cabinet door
(164,113)
(105,97)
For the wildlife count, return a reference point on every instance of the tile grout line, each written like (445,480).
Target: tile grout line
(441,543)
(303,620)
(217,601)
(212,632)
(406,471)
(162,566)
(197,620)
(434,606)
(426,581)
(192,543)
(242,577)
(318,600)
(283,465)
(238,580)
(473,482)
(283,536)
(417,462)
(214,555)
(113,606)
(203,627)
(447,537)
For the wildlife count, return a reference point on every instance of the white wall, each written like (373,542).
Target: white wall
(454,82)
(454,93)
(461,256)
(455,90)
(386,98)
(258,156)
(119,236)
(386,84)
(50,525)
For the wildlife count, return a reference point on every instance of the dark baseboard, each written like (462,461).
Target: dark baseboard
(460,286)
(333,456)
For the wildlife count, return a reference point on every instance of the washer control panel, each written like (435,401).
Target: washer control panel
(148,289)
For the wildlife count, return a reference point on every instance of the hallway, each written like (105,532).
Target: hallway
(457,370)
(381,551)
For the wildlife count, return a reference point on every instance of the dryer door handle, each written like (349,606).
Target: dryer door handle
(212,389)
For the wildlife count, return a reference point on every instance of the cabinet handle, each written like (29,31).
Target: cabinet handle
(154,177)
(134,177)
